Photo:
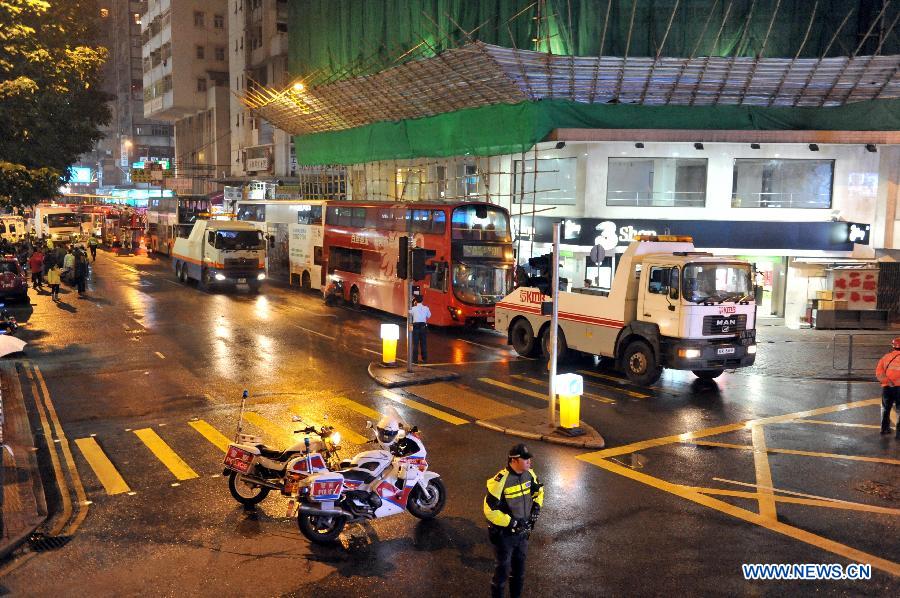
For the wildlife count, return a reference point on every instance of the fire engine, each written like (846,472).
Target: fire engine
(670,306)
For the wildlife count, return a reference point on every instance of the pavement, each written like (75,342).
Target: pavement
(791,354)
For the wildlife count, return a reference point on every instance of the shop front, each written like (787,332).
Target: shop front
(791,259)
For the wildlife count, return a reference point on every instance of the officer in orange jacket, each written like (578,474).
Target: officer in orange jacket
(888,373)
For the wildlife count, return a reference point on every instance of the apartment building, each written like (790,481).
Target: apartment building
(258,48)
(185,77)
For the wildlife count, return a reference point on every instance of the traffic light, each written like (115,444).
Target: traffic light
(419,257)
(403,258)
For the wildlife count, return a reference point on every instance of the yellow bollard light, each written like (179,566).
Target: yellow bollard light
(569,388)
(390,334)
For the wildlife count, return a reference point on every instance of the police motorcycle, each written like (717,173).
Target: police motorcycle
(372,485)
(254,469)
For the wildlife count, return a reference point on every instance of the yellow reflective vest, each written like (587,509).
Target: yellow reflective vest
(510,495)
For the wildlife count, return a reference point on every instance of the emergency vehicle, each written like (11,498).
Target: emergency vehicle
(669,307)
(221,252)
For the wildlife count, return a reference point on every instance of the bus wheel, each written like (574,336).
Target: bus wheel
(305,282)
(522,337)
(640,364)
(354,298)
(562,348)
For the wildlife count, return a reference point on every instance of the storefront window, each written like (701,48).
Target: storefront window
(555,182)
(656,182)
(763,183)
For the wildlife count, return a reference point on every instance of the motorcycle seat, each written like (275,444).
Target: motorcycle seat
(356,474)
(275,454)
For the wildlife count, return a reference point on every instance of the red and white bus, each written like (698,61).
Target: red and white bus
(473,260)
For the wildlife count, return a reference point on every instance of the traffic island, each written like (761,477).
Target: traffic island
(396,376)
(533,425)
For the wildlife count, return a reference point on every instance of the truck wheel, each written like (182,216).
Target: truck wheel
(640,364)
(708,374)
(354,298)
(522,337)
(305,282)
(562,348)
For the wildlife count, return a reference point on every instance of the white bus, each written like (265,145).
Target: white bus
(305,246)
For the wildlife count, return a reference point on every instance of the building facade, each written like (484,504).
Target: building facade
(258,47)
(185,76)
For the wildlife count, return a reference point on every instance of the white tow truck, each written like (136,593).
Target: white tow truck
(669,307)
(57,223)
(219,252)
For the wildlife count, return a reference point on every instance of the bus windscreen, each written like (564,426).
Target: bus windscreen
(480,223)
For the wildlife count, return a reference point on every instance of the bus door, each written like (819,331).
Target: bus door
(278,252)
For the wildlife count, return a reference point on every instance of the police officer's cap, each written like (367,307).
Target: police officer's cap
(519,451)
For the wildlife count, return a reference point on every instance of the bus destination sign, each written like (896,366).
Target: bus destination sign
(483,251)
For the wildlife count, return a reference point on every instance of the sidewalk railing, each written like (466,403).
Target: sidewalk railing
(858,352)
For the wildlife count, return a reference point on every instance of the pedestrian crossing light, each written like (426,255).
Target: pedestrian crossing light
(390,334)
(569,388)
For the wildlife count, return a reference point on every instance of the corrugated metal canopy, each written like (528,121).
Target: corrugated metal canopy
(479,74)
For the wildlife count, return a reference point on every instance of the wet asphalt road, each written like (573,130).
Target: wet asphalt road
(661,511)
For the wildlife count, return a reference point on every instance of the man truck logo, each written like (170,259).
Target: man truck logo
(728,309)
(535,297)
(723,322)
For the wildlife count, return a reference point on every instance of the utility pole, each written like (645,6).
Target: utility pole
(409,296)
(554,320)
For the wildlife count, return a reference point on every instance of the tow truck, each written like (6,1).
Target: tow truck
(670,306)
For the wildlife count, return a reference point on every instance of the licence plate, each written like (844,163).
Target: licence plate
(325,489)
(240,280)
(238,459)
(490,319)
(725,351)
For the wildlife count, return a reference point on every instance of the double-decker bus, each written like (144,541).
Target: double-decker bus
(473,259)
(169,216)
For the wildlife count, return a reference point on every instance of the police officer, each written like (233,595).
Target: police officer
(888,373)
(512,505)
(420,314)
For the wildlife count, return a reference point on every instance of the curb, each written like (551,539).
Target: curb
(572,442)
(18,432)
(421,376)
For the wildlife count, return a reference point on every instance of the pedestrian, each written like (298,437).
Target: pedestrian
(69,261)
(420,314)
(54,279)
(93,243)
(888,373)
(36,265)
(512,505)
(81,271)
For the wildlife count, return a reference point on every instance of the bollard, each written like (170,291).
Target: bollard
(390,334)
(569,388)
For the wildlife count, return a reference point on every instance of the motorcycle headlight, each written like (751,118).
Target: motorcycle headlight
(335,438)
(220,277)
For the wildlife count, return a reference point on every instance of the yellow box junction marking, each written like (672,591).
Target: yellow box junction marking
(210,433)
(764,493)
(800,453)
(518,389)
(829,503)
(165,454)
(451,419)
(463,399)
(358,407)
(701,495)
(103,468)
(585,394)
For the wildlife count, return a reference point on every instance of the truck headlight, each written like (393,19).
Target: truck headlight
(689,353)
(751,349)
(220,277)
(260,276)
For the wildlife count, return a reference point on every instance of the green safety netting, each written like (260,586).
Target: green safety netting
(330,36)
(504,128)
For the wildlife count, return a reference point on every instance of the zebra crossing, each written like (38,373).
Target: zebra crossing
(448,403)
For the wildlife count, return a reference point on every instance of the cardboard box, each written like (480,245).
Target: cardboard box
(826,305)
(838,304)
(826,295)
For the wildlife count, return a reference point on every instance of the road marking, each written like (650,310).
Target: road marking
(480,345)
(630,393)
(160,355)
(358,407)
(211,434)
(764,493)
(103,468)
(828,423)
(80,494)
(379,354)
(848,552)
(266,425)
(589,395)
(829,503)
(464,400)
(165,454)
(800,453)
(518,389)
(349,434)
(451,419)
(331,338)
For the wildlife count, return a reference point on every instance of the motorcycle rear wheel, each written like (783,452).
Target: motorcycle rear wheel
(245,493)
(320,529)
(429,503)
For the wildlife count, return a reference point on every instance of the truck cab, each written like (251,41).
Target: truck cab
(221,252)
(57,223)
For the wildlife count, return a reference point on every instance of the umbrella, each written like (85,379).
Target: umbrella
(10,344)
